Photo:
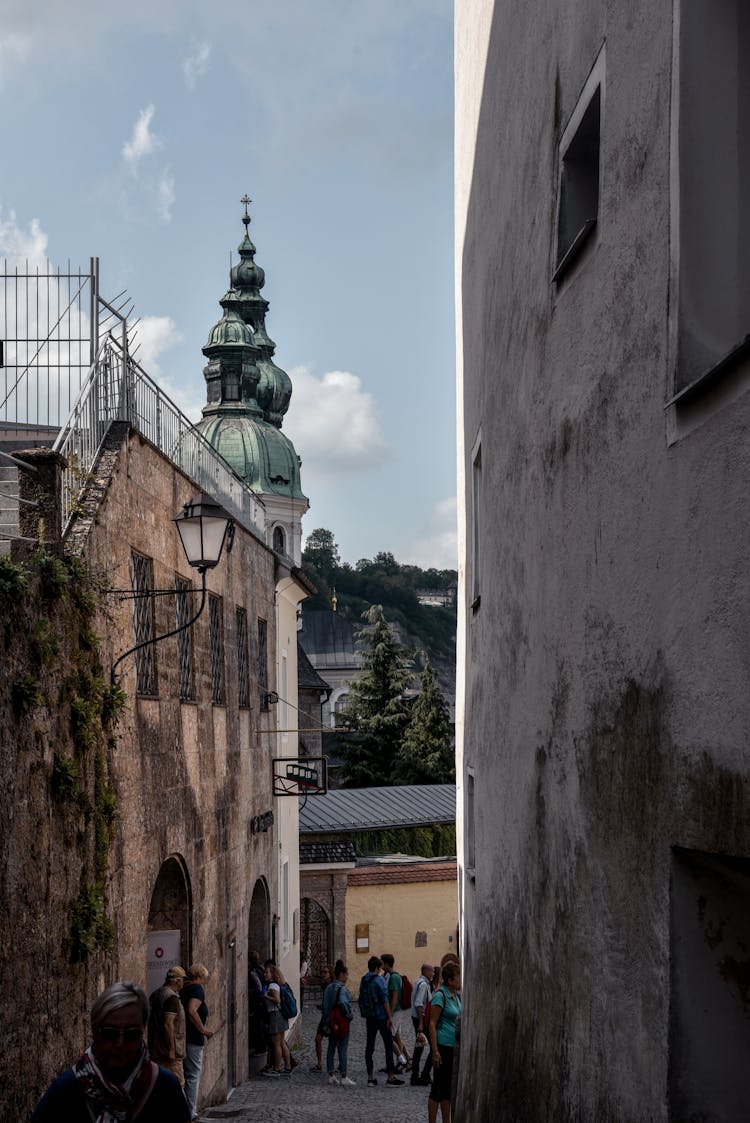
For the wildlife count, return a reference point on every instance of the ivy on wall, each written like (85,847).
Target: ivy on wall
(56,695)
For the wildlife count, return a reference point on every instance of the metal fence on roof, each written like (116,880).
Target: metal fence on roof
(67,362)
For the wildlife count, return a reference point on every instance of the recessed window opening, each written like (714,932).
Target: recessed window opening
(243,677)
(144,630)
(712,242)
(279,540)
(231,387)
(579,185)
(476,524)
(263,663)
(183,612)
(216,645)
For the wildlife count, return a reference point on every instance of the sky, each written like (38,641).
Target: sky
(130,132)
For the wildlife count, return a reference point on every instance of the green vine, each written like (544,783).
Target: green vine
(13,579)
(26,695)
(435,841)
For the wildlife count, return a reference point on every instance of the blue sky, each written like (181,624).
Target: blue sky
(131,134)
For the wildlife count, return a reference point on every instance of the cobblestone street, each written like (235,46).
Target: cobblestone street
(306,1097)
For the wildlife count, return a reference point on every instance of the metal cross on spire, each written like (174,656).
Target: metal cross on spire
(246,200)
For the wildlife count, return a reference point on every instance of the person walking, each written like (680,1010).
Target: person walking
(326,977)
(115,1077)
(193,998)
(277,1023)
(394,984)
(166,1024)
(420,1004)
(444,1009)
(374,1008)
(336,997)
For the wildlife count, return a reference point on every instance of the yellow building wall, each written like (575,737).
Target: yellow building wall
(396,914)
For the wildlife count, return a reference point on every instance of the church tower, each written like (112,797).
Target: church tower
(247,397)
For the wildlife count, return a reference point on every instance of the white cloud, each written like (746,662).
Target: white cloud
(143,142)
(334,423)
(165,195)
(195,65)
(19,245)
(154,335)
(14,49)
(437,544)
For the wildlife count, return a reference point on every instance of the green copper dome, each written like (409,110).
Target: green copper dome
(248,394)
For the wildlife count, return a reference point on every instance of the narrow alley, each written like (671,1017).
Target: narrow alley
(306,1096)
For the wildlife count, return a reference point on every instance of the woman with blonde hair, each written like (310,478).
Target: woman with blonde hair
(115,1079)
(277,1023)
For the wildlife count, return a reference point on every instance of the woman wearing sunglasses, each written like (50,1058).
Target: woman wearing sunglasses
(115,1081)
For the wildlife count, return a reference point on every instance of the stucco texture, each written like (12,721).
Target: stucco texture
(604,703)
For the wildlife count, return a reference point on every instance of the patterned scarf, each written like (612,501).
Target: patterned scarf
(112,1101)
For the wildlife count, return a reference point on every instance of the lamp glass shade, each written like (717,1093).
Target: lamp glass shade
(203,528)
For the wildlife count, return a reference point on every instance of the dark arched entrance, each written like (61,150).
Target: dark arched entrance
(316,937)
(170,911)
(258,941)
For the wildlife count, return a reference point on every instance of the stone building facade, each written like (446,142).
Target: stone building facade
(602,159)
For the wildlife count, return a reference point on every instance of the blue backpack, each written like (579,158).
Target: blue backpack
(288,1005)
(368,1004)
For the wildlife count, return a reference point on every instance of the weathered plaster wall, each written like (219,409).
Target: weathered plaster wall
(413,920)
(190,776)
(604,699)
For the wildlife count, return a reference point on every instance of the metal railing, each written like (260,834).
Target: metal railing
(118,389)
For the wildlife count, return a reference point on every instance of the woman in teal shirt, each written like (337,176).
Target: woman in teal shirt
(444,1009)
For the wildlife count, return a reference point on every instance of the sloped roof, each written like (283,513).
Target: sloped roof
(307,677)
(367,809)
(324,853)
(328,637)
(401,873)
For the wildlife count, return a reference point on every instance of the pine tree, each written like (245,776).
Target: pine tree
(426,753)
(376,710)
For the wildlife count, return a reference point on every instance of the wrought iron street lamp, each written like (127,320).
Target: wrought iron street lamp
(204,526)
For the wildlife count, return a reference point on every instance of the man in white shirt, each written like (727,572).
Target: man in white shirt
(419,1002)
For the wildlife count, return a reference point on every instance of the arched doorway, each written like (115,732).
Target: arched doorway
(259,941)
(316,937)
(169,921)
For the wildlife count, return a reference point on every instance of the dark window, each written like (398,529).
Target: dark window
(243,679)
(216,645)
(184,609)
(579,186)
(476,524)
(713,259)
(709,1008)
(263,663)
(144,631)
(231,386)
(279,540)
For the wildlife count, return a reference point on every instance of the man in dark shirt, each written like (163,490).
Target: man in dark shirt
(166,1024)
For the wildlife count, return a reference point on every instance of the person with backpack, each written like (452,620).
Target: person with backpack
(337,1014)
(444,1010)
(374,1008)
(399,999)
(278,1021)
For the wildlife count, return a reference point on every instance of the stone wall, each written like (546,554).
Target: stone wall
(189,779)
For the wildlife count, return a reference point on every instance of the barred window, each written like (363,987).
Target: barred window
(243,680)
(263,663)
(216,645)
(185,663)
(144,631)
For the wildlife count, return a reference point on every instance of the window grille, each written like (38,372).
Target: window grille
(183,612)
(263,663)
(243,680)
(216,645)
(144,631)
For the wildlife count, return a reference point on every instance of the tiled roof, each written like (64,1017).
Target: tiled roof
(367,809)
(324,853)
(403,873)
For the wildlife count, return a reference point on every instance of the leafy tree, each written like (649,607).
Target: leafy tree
(376,712)
(321,552)
(426,752)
